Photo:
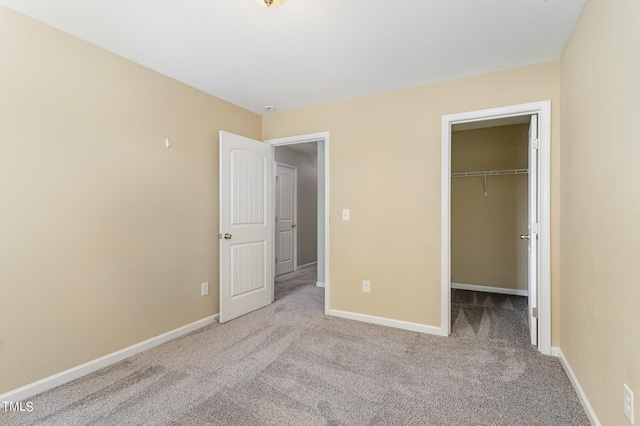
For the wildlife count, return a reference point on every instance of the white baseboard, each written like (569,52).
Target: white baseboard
(71,374)
(591,414)
(319,284)
(499,290)
(405,325)
(307,265)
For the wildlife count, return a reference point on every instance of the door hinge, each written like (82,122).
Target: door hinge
(276,260)
(536,143)
(277,178)
(534,312)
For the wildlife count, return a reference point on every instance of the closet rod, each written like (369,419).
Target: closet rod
(491,173)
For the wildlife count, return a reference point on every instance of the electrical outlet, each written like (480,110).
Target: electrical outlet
(628,403)
(205,289)
(366,286)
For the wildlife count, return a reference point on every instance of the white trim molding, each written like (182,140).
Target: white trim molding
(487,289)
(591,414)
(404,325)
(543,109)
(308,265)
(71,374)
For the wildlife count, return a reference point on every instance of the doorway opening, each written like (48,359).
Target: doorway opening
(299,149)
(499,175)
(296,201)
(489,213)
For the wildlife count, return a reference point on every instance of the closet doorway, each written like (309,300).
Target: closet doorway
(495,221)
(489,212)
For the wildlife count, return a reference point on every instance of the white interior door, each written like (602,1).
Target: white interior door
(285,218)
(246,218)
(533,229)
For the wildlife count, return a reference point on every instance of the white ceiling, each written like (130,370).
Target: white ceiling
(315,51)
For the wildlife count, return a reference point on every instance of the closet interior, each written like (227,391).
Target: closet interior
(489,199)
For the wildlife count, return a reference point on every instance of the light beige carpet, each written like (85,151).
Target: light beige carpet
(288,364)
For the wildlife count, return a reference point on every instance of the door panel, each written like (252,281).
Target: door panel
(533,229)
(248,262)
(247,184)
(246,215)
(285,218)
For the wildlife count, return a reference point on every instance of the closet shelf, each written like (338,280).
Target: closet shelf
(491,173)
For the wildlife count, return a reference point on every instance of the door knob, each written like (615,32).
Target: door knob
(524,237)
(293,225)
(227,236)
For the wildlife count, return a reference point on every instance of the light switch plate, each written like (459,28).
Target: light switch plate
(346,214)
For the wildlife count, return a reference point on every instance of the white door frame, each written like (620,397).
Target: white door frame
(543,109)
(322,139)
(533,212)
(295,207)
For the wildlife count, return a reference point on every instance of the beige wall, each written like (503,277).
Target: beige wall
(106,235)
(485,245)
(307,201)
(385,166)
(600,244)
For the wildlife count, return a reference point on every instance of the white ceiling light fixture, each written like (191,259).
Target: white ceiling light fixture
(271,4)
